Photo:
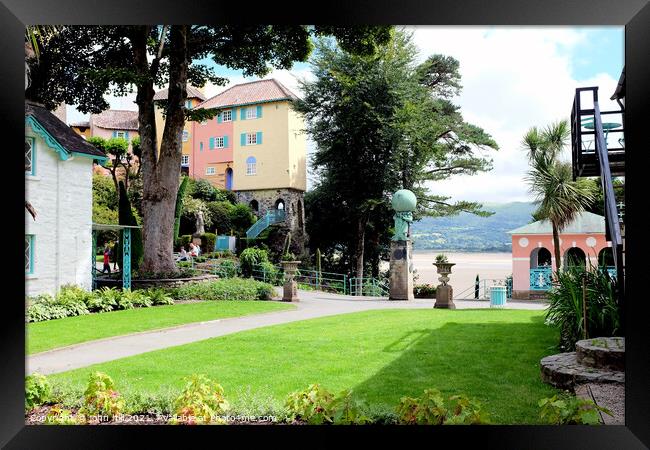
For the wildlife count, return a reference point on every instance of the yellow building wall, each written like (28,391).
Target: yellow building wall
(85,133)
(160,127)
(280,157)
(219,177)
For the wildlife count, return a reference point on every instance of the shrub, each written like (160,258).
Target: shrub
(138,299)
(37,390)
(184,241)
(204,190)
(228,269)
(59,416)
(38,312)
(241,217)
(221,212)
(570,410)
(144,403)
(202,401)
(207,242)
(430,409)
(225,289)
(317,406)
(565,309)
(424,291)
(251,257)
(100,397)
(159,296)
(270,273)
(106,299)
(73,299)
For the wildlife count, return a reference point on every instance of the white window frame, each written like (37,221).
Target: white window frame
(204,122)
(219,142)
(251,138)
(120,134)
(186,136)
(29,257)
(32,153)
(186,158)
(226,115)
(210,171)
(251,113)
(251,168)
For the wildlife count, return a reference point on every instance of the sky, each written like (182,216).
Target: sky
(513,78)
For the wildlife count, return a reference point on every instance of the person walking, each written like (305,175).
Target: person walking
(107,259)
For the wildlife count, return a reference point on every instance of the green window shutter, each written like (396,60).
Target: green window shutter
(234,114)
(243,139)
(114,133)
(219,118)
(259,137)
(126,135)
(243,114)
(211,143)
(259,111)
(225,142)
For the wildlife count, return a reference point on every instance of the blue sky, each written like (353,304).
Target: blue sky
(513,78)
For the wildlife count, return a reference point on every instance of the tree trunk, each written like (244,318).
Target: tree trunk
(361,235)
(556,247)
(160,173)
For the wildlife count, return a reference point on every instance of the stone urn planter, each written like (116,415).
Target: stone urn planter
(290,285)
(444,292)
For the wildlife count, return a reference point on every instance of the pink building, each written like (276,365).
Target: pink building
(115,123)
(212,153)
(582,242)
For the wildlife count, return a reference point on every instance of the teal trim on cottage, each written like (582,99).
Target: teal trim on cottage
(47,137)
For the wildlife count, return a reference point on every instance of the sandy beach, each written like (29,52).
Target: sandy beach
(468,265)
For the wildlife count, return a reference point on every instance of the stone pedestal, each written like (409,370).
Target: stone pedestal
(401,270)
(290,291)
(444,297)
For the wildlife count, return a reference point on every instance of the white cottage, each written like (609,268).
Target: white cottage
(58,185)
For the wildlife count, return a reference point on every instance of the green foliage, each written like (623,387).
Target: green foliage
(269,272)
(207,242)
(288,257)
(184,240)
(105,299)
(127,217)
(60,416)
(100,397)
(570,410)
(251,257)
(317,406)
(241,218)
(225,289)
(565,310)
(431,409)
(221,212)
(74,299)
(201,402)
(159,296)
(37,390)
(227,269)
(441,258)
(424,291)
(405,132)
(135,299)
(204,190)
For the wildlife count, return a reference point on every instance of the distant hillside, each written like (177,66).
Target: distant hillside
(468,232)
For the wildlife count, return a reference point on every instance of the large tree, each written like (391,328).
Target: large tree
(559,198)
(80,64)
(382,123)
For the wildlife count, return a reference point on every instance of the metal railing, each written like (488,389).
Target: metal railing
(368,286)
(271,217)
(483,288)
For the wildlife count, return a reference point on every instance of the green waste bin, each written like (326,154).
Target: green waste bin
(497,296)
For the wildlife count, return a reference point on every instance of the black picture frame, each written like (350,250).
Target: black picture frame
(634,14)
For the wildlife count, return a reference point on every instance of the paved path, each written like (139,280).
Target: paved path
(312,304)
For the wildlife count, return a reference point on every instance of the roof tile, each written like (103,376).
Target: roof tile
(251,92)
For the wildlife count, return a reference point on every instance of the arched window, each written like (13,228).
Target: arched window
(255,206)
(229,179)
(540,257)
(279,204)
(300,214)
(251,165)
(575,257)
(606,257)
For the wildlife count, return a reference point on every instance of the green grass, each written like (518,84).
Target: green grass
(73,330)
(490,355)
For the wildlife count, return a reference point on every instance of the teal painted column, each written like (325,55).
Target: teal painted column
(93,264)
(126,258)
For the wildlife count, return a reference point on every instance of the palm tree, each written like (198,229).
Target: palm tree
(560,199)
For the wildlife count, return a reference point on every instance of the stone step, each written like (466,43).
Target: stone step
(602,353)
(564,372)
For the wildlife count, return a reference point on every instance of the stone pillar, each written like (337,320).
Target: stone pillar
(290,292)
(401,270)
(444,297)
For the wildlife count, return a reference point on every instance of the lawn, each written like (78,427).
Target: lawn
(51,334)
(490,355)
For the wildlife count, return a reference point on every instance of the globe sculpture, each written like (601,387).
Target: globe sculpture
(404,203)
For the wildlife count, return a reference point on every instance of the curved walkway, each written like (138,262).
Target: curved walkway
(312,304)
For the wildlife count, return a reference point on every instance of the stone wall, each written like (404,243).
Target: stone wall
(267,199)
